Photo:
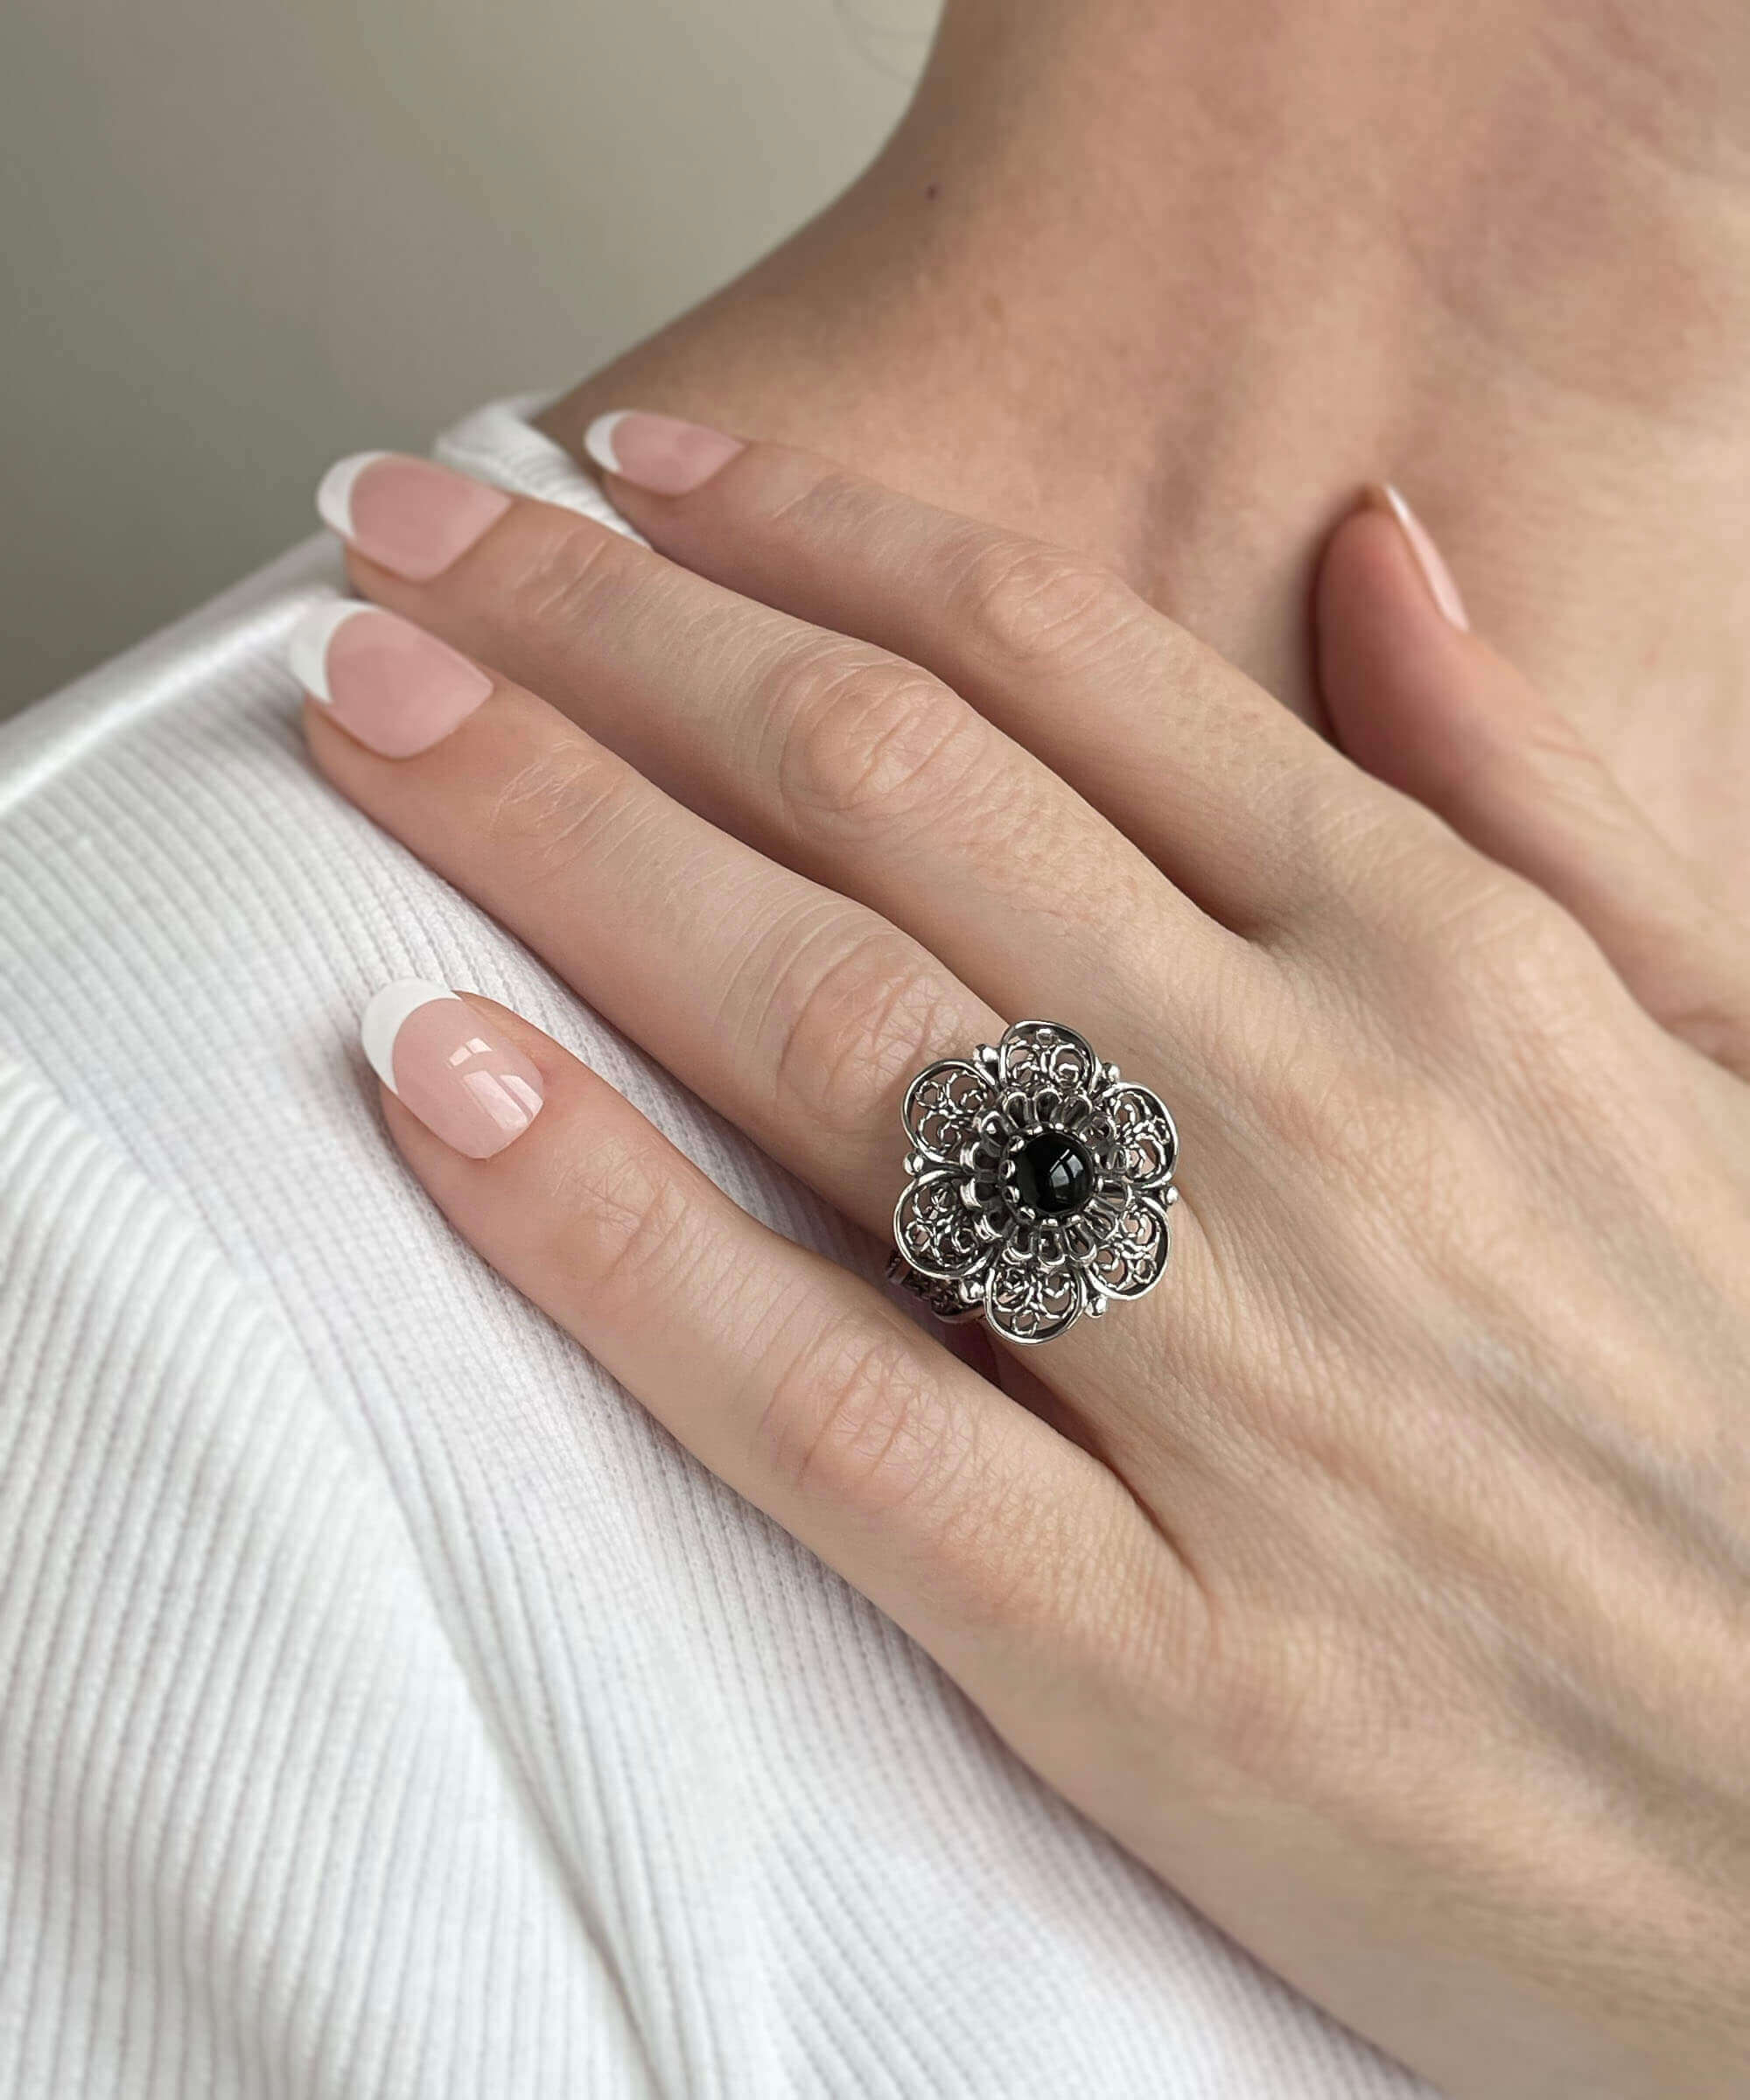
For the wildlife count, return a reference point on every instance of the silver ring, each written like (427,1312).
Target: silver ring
(1041,1184)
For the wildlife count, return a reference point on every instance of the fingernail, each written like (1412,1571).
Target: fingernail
(410,515)
(435,1053)
(395,688)
(1435,573)
(658,453)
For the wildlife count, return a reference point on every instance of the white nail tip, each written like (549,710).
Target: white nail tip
(306,647)
(598,439)
(334,491)
(381,1021)
(1400,509)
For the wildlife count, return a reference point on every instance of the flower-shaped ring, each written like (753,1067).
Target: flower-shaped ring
(1041,1184)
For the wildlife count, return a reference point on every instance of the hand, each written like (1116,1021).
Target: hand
(1381,1579)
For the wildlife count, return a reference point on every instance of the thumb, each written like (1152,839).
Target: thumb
(1423,704)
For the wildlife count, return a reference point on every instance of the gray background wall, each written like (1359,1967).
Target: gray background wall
(243,236)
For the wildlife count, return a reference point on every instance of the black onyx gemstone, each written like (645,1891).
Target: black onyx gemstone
(1053,1174)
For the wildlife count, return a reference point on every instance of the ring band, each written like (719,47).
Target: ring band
(1039,1188)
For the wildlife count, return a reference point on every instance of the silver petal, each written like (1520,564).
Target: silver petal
(1132,1262)
(1040,1054)
(1028,1305)
(936,1231)
(1134,1133)
(943,1108)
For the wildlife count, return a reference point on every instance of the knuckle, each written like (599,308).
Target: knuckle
(858,1418)
(557,568)
(1459,945)
(1502,955)
(556,807)
(1243,1709)
(629,1223)
(815,503)
(1481,1001)
(862,1417)
(1082,1573)
(1356,853)
(1266,1707)
(868,742)
(1026,601)
(1350,1109)
(1365,861)
(1299,1704)
(856,1010)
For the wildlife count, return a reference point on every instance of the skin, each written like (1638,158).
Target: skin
(1166,283)
(1379,1579)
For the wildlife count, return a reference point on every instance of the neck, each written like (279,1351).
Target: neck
(1171,289)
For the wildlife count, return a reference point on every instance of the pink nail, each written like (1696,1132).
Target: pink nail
(436,1054)
(1428,557)
(394,687)
(408,515)
(658,453)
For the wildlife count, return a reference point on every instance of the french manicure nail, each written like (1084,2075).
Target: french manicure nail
(1429,559)
(658,453)
(398,689)
(410,515)
(435,1053)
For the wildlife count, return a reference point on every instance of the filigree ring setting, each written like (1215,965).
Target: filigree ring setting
(1039,1188)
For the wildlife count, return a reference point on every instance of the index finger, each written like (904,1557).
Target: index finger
(1231,796)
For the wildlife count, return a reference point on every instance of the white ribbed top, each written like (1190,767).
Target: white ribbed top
(386,1707)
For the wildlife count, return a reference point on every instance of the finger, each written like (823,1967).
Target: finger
(1427,706)
(1013,1555)
(795,1012)
(798,1013)
(1215,785)
(857,769)
(1224,789)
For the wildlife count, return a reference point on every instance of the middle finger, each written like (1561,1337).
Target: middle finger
(843,761)
(795,1012)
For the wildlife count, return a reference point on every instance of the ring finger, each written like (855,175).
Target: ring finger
(798,1013)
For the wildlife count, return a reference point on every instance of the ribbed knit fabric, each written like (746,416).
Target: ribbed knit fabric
(386,1705)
